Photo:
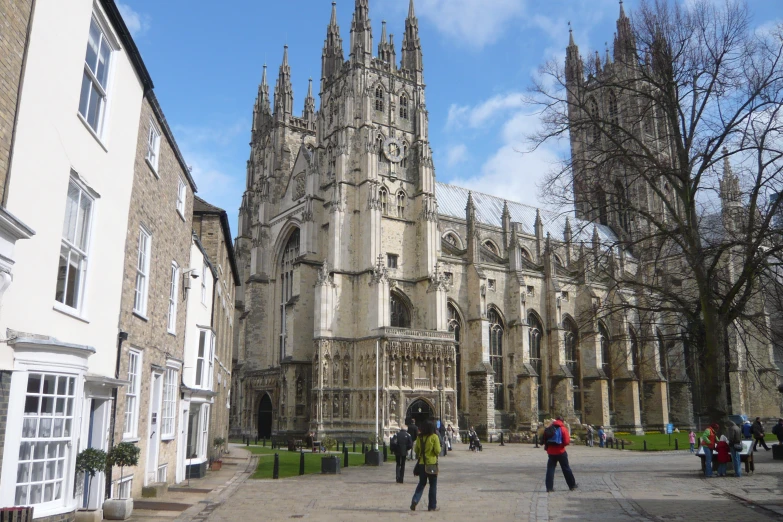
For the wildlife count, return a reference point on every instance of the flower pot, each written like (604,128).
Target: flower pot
(117,508)
(330,465)
(88,515)
(373,458)
(216,465)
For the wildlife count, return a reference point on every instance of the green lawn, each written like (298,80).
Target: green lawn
(660,441)
(289,461)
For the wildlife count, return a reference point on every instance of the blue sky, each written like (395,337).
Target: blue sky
(206,58)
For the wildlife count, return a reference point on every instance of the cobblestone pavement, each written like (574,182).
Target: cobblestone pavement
(507,483)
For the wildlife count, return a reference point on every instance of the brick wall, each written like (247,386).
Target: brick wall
(154,205)
(14,20)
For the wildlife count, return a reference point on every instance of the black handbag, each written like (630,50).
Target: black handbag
(418,469)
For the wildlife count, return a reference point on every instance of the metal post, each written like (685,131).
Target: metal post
(385,453)
(265,442)
(645,445)
(676,444)
(256,441)
(622,441)
(501,439)
(248,442)
(490,438)
(301,462)
(535,439)
(345,456)
(354,445)
(276,467)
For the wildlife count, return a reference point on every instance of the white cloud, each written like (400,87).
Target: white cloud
(481,114)
(456,154)
(137,23)
(474,23)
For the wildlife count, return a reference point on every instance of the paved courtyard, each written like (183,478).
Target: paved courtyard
(507,483)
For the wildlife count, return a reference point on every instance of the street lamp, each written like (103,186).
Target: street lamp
(440,402)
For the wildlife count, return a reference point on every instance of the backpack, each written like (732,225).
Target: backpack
(552,435)
(393,445)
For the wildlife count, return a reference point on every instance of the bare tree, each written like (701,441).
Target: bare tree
(676,143)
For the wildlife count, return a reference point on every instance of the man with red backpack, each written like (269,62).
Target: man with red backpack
(556,438)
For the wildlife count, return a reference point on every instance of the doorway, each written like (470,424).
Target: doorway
(151,476)
(265,417)
(420,410)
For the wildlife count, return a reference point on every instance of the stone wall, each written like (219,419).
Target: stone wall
(14,22)
(154,206)
(5,391)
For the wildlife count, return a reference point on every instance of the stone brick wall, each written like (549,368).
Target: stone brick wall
(14,21)
(5,390)
(153,205)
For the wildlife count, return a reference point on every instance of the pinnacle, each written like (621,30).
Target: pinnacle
(622,11)
(263,76)
(333,21)
(285,55)
(411,10)
(570,35)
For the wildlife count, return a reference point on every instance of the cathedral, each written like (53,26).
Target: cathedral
(369,288)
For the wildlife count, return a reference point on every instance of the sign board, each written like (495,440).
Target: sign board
(669,428)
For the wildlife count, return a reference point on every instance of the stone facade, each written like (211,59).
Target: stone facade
(156,184)
(210,224)
(15,17)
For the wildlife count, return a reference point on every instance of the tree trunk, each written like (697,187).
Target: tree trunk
(714,361)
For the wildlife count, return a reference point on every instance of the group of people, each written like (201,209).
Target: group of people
(592,434)
(728,447)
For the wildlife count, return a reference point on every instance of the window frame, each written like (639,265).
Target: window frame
(168,417)
(171,324)
(133,390)
(94,85)
(204,272)
(144,274)
(392,260)
(70,247)
(153,147)
(379,98)
(404,106)
(181,197)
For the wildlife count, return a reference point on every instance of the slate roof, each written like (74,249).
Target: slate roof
(452,201)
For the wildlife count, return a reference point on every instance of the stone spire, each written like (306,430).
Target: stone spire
(332,57)
(262,109)
(361,32)
(412,58)
(597,63)
(470,209)
(284,93)
(309,107)
(506,219)
(574,71)
(624,41)
(386,47)
(729,185)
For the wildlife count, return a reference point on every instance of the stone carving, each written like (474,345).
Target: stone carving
(336,373)
(299,390)
(438,280)
(392,373)
(393,408)
(324,278)
(448,408)
(448,376)
(405,373)
(346,406)
(336,406)
(379,272)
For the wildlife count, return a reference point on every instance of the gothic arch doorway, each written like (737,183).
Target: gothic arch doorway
(265,417)
(420,410)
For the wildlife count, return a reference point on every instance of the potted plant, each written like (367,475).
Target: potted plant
(330,463)
(123,455)
(217,463)
(89,462)
(373,457)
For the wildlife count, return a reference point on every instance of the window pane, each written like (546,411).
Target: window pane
(94,109)
(73,280)
(33,383)
(71,212)
(92,45)
(103,64)
(83,223)
(84,97)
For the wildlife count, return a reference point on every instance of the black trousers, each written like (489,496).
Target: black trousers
(761,442)
(400,468)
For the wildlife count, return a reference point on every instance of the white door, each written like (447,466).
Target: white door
(153,441)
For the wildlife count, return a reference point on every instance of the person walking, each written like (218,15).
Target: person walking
(601,437)
(590,435)
(442,436)
(758,434)
(556,438)
(735,446)
(404,444)
(427,449)
(747,430)
(723,455)
(708,441)
(413,431)
(692,440)
(777,429)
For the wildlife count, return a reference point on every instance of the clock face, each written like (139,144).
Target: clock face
(392,149)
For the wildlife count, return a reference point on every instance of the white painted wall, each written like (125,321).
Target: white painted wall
(199,314)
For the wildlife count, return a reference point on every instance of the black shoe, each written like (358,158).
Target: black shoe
(433,509)
(575,487)
(550,490)
(413,506)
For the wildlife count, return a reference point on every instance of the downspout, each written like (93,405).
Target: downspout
(6,182)
(121,338)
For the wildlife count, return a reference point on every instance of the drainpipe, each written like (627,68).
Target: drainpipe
(121,338)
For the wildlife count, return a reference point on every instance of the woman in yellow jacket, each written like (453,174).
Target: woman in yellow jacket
(428,449)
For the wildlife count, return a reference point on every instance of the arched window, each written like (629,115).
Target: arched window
(383,200)
(400,315)
(662,353)
(606,361)
(525,254)
(614,118)
(535,334)
(558,261)
(404,106)
(455,325)
(381,157)
(634,352)
(332,163)
(332,112)
(592,114)
(404,160)
(491,247)
(400,204)
(603,210)
(496,354)
(379,98)
(290,253)
(571,338)
(451,239)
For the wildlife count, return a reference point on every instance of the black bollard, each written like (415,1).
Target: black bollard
(301,462)
(385,452)
(501,439)
(248,442)
(645,445)
(265,442)
(623,443)
(364,448)
(676,444)
(256,441)
(276,467)
(490,438)
(354,445)
(535,439)
(345,456)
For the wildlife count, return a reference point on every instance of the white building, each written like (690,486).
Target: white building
(70,182)
(198,368)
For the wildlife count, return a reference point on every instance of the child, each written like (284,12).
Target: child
(601,437)
(723,455)
(692,440)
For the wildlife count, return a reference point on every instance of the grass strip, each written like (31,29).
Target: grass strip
(289,462)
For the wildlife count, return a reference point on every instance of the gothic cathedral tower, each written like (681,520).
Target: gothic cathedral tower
(338,245)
